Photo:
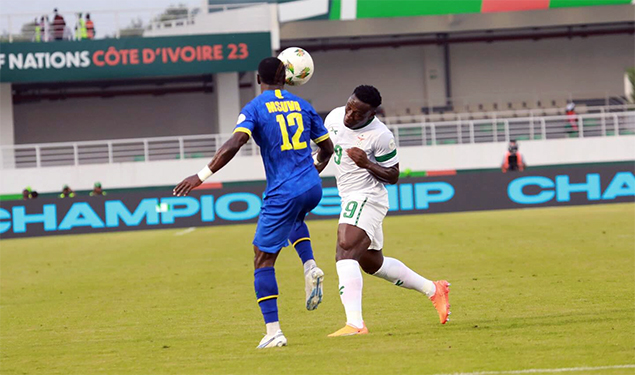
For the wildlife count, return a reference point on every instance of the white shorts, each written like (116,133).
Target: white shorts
(366,214)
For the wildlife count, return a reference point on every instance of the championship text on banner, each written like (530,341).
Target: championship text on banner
(241,203)
(132,57)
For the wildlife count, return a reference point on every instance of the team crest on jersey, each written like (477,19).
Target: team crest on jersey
(360,139)
(392,144)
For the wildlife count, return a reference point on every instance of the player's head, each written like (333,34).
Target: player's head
(271,72)
(361,106)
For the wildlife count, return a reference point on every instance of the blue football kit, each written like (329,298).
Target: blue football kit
(282,125)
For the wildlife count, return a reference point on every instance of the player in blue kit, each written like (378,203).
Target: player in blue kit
(283,125)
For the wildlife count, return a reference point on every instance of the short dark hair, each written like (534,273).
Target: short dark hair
(271,71)
(368,94)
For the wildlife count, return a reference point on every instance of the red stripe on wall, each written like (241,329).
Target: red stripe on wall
(209,185)
(489,6)
(449,172)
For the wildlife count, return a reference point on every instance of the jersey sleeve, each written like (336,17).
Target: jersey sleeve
(247,120)
(386,150)
(318,130)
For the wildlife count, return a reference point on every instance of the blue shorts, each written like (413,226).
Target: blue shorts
(279,216)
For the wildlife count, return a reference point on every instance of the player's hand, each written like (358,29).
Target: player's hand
(359,157)
(186,186)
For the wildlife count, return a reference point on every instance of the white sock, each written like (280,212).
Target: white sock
(399,274)
(272,328)
(351,283)
(308,265)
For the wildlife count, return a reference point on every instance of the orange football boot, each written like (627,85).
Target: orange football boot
(441,300)
(349,330)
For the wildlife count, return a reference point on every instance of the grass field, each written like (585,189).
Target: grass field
(539,288)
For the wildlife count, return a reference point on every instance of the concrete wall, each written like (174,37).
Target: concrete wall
(114,118)
(480,72)
(583,66)
(397,73)
(244,168)
(407,77)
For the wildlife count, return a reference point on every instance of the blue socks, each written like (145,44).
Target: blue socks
(301,240)
(267,293)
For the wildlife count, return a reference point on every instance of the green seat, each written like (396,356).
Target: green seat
(485,128)
(590,123)
(139,158)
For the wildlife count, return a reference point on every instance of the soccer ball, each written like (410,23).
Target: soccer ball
(298,66)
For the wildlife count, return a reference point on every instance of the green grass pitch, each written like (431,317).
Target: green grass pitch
(538,288)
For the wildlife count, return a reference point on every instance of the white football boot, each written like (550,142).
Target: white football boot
(314,284)
(273,341)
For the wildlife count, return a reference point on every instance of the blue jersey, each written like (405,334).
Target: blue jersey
(283,125)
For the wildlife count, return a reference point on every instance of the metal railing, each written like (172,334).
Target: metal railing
(481,115)
(406,135)
(32,27)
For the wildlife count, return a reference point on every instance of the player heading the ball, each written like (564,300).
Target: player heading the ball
(283,125)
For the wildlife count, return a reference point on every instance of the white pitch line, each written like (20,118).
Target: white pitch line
(186,231)
(542,370)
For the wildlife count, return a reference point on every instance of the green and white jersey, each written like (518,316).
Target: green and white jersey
(379,144)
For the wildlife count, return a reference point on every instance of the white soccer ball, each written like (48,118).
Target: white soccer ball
(298,66)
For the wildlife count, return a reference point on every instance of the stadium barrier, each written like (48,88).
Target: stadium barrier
(580,185)
(406,135)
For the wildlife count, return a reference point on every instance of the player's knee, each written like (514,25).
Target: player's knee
(262,259)
(346,244)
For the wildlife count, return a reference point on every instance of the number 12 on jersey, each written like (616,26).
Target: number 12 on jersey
(292,119)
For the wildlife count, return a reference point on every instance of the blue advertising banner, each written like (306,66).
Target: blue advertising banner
(241,204)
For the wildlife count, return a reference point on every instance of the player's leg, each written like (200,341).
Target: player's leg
(393,270)
(301,241)
(354,236)
(351,243)
(313,275)
(267,297)
(271,235)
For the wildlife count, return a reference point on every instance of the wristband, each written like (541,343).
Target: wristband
(205,173)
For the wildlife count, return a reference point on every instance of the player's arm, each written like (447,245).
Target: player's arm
(226,153)
(325,151)
(321,137)
(387,175)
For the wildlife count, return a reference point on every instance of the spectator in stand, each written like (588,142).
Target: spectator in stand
(59,25)
(80,28)
(67,192)
(97,190)
(513,160)
(572,120)
(29,193)
(44,29)
(90,27)
(37,34)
